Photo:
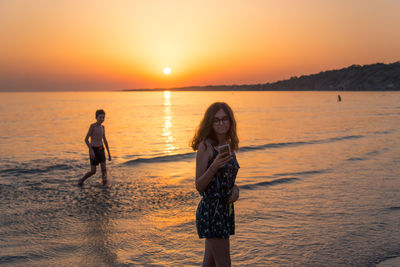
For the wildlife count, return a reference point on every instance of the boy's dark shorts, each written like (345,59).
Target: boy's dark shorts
(99,156)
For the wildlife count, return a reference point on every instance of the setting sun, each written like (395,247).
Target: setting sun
(167,71)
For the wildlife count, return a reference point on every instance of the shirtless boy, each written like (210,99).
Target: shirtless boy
(96,149)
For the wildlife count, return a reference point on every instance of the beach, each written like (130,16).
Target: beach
(318,179)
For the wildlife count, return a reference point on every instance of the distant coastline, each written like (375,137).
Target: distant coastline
(373,77)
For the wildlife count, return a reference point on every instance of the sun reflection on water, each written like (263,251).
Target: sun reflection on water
(166,131)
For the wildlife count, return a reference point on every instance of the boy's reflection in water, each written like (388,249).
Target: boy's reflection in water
(97,209)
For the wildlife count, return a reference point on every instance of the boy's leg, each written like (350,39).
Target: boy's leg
(104,172)
(87,175)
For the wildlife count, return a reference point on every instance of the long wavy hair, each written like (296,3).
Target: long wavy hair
(206,130)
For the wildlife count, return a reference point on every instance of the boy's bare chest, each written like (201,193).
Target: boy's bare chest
(97,132)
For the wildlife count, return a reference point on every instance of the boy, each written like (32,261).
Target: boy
(96,150)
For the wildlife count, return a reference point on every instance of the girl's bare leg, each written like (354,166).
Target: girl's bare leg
(208,260)
(220,251)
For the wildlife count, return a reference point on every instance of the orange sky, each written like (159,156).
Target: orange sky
(111,45)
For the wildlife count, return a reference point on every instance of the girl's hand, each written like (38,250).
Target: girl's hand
(221,160)
(234,194)
(109,157)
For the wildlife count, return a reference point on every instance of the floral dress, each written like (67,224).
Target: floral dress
(215,217)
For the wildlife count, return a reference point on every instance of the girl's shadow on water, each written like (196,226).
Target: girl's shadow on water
(95,210)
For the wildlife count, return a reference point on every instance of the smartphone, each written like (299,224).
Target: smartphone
(224,149)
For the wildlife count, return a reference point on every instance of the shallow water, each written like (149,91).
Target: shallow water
(319,179)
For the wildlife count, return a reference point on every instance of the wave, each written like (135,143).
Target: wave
(35,170)
(373,152)
(190,155)
(355,159)
(387,114)
(394,208)
(301,173)
(281,180)
(299,143)
(385,132)
(13,259)
(167,158)
(365,155)
(269,183)
(38,167)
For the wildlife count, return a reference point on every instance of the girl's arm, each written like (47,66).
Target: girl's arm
(106,143)
(234,194)
(204,175)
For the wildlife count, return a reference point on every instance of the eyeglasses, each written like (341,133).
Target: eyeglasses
(221,120)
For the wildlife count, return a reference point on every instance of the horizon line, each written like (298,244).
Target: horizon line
(198,87)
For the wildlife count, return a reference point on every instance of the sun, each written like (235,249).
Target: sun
(167,70)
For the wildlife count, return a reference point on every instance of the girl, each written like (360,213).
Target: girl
(215,181)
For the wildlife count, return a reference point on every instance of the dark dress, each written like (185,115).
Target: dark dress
(215,217)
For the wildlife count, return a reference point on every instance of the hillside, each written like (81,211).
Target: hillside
(374,77)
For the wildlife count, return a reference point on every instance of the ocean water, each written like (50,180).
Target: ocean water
(319,179)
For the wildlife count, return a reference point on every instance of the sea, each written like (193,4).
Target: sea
(319,179)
